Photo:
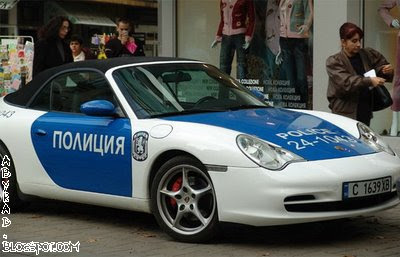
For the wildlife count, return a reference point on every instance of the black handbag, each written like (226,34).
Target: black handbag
(381,98)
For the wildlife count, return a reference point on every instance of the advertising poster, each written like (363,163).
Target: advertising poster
(279,57)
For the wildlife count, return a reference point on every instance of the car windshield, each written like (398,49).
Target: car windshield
(159,90)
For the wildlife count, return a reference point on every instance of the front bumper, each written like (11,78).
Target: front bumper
(259,197)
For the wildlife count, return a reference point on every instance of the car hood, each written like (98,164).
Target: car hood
(303,134)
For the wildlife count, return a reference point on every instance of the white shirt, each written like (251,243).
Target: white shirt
(79,57)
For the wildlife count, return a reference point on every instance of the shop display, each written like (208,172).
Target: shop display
(391,21)
(98,43)
(235,31)
(279,59)
(16,55)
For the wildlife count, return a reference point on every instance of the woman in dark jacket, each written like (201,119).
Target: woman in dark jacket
(52,49)
(349,91)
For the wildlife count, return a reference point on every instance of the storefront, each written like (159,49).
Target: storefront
(383,38)
(88,18)
(187,28)
(194,25)
(20,21)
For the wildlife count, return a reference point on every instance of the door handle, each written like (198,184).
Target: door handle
(40,132)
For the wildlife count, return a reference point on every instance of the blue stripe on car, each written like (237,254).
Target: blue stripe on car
(303,134)
(85,153)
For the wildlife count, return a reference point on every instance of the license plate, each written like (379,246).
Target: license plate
(367,187)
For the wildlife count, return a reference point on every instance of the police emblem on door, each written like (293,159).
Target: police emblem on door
(139,145)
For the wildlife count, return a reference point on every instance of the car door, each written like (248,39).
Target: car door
(77,151)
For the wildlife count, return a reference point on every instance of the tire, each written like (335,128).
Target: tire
(183,200)
(14,201)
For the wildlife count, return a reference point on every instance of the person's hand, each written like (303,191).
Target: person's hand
(303,29)
(246,45)
(214,43)
(124,37)
(278,58)
(387,69)
(396,24)
(377,81)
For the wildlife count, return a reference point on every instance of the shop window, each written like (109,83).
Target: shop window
(383,37)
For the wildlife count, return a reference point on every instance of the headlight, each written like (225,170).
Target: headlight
(372,139)
(264,154)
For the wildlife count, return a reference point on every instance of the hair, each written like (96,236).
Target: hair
(124,20)
(348,30)
(52,28)
(76,38)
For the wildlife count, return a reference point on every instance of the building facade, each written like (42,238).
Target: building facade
(187,28)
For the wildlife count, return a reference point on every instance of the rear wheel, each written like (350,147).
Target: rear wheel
(9,186)
(183,200)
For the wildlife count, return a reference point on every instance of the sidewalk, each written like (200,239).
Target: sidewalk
(111,232)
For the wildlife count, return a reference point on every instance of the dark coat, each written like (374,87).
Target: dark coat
(47,55)
(114,48)
(344,83)
(89,55)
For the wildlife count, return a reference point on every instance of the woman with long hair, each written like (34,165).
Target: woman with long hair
(52,49)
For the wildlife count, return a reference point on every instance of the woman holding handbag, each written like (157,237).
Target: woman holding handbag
(349,90)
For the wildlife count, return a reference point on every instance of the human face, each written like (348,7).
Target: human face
(62,33)
(351,46)
(76,48)
(123,28)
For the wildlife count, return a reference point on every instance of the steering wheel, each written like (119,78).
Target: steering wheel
(204,99)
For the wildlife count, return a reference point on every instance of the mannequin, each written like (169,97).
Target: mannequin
(384,11)
(272,31)
(235,32)
(296,20)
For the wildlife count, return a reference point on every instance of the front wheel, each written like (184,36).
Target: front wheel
(183,200)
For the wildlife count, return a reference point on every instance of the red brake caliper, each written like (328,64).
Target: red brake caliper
(175,187)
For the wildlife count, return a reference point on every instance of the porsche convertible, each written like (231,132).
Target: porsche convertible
(182,140)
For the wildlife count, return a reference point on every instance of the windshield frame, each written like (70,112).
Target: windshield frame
(224,82)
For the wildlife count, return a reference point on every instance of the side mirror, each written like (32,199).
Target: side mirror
(98,108)
(259,95)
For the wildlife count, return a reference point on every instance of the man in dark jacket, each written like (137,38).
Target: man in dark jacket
(124,44)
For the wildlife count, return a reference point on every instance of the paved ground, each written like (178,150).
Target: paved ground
(110,232)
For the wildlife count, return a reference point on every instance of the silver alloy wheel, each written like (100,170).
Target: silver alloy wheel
(186,199)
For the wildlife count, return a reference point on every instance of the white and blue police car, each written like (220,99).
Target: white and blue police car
(181,140)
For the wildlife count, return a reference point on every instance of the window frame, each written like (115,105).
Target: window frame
(48,82)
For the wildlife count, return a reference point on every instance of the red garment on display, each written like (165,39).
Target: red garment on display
(237,17)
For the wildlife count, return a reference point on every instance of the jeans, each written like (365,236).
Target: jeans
(228,46)
(272,70)
(294,64)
